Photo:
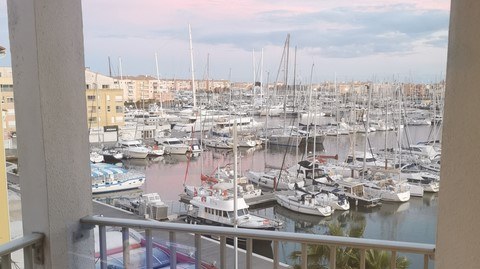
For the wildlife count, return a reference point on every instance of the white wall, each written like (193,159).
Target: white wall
(458,233)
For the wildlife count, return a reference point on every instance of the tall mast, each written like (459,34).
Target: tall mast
(192,69)
(235,194)
(120,67)
(158,81)
(261,75)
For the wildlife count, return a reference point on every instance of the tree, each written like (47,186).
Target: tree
(318,256)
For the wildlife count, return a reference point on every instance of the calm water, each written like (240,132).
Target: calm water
(413,221)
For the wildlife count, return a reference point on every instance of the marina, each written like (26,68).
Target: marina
(389,220)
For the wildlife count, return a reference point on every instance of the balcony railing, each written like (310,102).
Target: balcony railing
(333,242)
(32,246)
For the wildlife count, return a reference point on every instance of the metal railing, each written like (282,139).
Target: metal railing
(32,246)
(333,242)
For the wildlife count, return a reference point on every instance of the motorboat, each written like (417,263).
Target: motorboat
(111,178)
(388,190)
(156,151)
(111,155)
(172,145)
(329,195)
(273,180)
(96,157)
(218,209)
(132,149)
(305,203)
(356,194)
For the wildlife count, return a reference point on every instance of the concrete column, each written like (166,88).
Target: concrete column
(46,40)
(458,233)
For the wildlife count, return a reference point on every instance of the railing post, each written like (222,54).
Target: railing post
(223,255)
(149,251)
(275,254)
(333,257)
(102,233)
(425,261)
(6,262)
(28,257)
(249,253)
(173,250)
(304,256)
(126,247)
(393,260)
(198,251)
(362,258)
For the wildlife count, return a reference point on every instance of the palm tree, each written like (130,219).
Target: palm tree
(380,259)
(318,256)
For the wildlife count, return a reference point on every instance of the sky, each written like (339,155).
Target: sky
(402,40)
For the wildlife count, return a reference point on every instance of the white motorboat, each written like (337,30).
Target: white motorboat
(356,194)
(111,155)
(155,151)
(96,157)
(428,181)
(271,180)
(132,149)
(329,195)
(388,190)
(218,209)
(111,178)
(172,145)
(218,142)
(304,203)
(359,157)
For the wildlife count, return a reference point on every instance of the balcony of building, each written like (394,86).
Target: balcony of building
(48,66)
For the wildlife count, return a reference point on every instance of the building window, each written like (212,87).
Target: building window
(92,119)
(119,109)
(108,108)
(108,97)
(91,97)
(104,86)
(6,87)
(9,99)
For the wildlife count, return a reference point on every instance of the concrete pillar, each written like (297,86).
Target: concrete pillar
(46,40)
(458,233)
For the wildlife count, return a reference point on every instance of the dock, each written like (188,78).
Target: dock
(186,242)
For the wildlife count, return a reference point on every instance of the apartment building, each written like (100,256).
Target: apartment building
(7,105)
(105,105)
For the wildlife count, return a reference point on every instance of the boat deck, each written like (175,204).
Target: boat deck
(267,198)
(210,247)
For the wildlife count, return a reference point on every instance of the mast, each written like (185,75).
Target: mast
(120,67)
(287,49)
(158,81)
(235,194)
(109,67)
(261,75)
(367,128)
(192,68)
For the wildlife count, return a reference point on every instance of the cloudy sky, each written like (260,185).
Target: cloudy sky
(355,39)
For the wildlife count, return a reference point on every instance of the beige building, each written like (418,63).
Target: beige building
(105,103)
(8,107)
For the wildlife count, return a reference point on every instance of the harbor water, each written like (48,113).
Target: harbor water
(412,221)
